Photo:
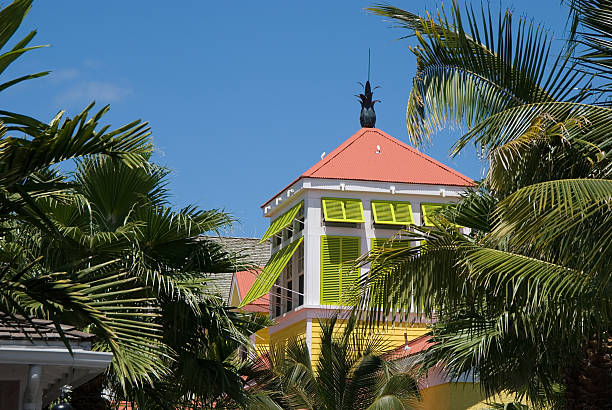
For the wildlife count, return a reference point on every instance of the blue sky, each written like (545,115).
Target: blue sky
(242,97)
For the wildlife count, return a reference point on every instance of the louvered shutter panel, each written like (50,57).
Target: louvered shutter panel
(333,209)
(350,273)
(403,213)
(378,294)
(331,261)
(270,273)
(392,212)
(353,210)
(342,210)
(428,211)
(281,222)
(383,212)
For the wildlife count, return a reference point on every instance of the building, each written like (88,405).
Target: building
(35,363)
(353,199)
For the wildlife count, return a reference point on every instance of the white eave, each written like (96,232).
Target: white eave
(54,356)
(277,203)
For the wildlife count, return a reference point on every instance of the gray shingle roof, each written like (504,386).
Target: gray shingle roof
(249,247)
(19,328)
(254,252)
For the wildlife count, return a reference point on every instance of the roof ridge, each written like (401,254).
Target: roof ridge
(423,155)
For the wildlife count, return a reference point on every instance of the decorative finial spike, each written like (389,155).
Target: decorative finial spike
(368,64)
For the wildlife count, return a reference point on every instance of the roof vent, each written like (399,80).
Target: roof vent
(378,149)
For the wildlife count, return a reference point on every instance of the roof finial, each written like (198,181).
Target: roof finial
(367,118)
(368,64)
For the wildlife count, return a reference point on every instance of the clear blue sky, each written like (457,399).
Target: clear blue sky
(242,96)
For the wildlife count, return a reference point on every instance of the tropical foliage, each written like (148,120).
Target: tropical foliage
(103,249)
(522,293)
(350,373)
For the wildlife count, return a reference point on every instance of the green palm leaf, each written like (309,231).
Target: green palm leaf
(467,70)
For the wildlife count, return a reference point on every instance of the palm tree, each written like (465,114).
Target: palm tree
(28,147)
(128,269)
(115,212)
(350,373)
(523,299)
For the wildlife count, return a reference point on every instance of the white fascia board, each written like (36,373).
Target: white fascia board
(323,312)
(384,187)
(277,204)
(284,200)
(55,357)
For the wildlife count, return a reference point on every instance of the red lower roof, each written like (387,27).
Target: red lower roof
(373,155)
(244,281)
(415,346)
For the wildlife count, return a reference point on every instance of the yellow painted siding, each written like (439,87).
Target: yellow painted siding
(435,398)
(262,341)
(234,299)
(458,396)
(293,331)
(394,335)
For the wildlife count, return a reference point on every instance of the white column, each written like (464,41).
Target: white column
(309,335)
(312,249)
(33,391)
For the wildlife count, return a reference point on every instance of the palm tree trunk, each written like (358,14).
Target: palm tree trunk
(589,385)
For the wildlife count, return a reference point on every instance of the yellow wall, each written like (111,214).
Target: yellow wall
(293,331)
(262,341)
(436,397)
(458,396)
(234,299)
(394,336)
(446,396)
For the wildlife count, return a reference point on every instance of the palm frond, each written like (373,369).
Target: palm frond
(540,215)
(580,122)
(11,18)
(468,69)
(593,30)
(62,139)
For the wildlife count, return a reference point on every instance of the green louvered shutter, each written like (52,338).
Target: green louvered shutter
(281,222)
(339,275)
(331,261)
(428,210)
(377,244)
(271,272)
(333,209)
(403,213)
(342,210)
(392,212)
(383,212)
(350,273)
(353,210)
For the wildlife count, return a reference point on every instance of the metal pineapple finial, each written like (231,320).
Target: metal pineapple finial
(367,118)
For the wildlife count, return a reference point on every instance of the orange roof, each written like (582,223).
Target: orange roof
(359,158)
(244,281)
(417,345)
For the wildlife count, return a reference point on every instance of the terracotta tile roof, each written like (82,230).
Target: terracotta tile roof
(415,346)
(244,281)
(358,158)
(18,328)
